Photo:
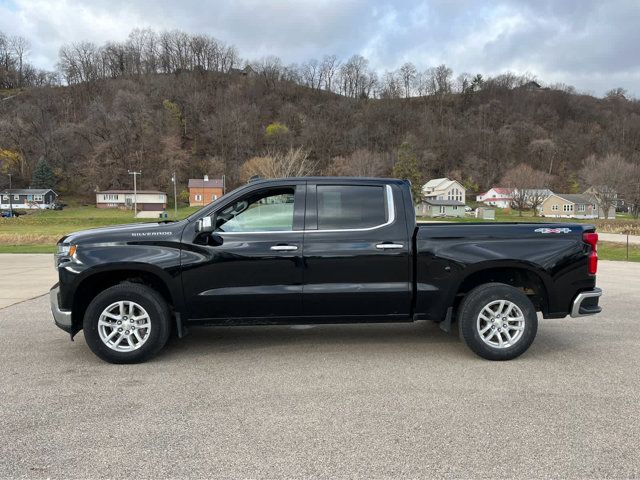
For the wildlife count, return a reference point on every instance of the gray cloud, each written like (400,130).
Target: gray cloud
(586,43)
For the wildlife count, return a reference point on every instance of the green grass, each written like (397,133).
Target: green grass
(38,231)
(27,248)
(618,251)
(623,223)
(43,228)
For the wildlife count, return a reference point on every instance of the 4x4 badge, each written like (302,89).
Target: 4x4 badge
(552,230)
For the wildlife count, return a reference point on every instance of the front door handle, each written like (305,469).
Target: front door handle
(389,246)
(284,248)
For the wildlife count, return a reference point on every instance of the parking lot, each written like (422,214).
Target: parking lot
(329,401)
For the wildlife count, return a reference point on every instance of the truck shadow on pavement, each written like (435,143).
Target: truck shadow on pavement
(369,339)
(302,337)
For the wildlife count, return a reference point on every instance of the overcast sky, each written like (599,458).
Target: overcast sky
(592,45)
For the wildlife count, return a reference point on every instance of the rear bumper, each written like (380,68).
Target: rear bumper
(62,318)
(586,303)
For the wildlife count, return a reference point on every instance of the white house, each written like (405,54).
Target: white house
(28,198)
(440,208)
(444,189)
(496,197)
(147,200)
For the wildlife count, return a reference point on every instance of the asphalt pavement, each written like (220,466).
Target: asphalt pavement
(25,276)
(358,401)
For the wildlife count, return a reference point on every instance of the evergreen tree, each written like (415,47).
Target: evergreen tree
(43,176)
(407,168)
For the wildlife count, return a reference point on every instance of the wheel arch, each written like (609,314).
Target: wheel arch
(533,282)
(96,280)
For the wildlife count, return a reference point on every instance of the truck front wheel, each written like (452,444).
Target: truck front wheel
(127,323)
(497,321)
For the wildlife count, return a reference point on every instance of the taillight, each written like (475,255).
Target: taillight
(592,239)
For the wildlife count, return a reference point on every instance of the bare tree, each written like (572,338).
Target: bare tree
(20,46)
(528,187)
(293,163)
(390,86)
(361,163)
(311,73)
(606,177)
(544,151)
(328,70)
(631,190)
(356,80)
(408,73)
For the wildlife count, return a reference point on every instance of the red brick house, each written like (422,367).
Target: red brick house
(203,191)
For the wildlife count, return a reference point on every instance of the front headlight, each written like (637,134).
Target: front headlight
(65,252)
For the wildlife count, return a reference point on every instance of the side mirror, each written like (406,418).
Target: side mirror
(206,225)
(214,240)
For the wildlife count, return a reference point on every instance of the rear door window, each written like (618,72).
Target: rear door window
(342,207)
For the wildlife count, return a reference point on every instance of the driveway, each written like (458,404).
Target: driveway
(25,276)
(403,400)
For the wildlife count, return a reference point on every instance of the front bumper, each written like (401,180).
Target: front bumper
(62,318)
(586,303)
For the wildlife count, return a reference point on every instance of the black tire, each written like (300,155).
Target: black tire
(473,304)
(144,296)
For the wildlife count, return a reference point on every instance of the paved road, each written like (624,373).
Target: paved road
(331,401)
(25,276)
(619,238)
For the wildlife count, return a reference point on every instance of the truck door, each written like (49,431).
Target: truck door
(356,252)
(251,264)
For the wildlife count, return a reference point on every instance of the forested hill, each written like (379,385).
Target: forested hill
(205,122)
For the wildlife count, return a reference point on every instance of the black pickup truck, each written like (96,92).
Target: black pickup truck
(318,251)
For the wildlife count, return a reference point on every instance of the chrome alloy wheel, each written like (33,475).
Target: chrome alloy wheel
(124,326)
(500,324)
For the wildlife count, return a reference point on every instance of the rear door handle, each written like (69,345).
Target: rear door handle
(389,246)
(284,248)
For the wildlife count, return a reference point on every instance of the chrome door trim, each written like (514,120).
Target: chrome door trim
(390,208)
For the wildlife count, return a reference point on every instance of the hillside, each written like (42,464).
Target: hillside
(197,122)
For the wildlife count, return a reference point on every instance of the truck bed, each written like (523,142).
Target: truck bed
(451,256)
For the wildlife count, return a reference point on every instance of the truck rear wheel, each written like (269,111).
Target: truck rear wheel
(497,321)
(127,323)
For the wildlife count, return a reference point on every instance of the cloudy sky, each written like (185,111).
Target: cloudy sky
(592,45)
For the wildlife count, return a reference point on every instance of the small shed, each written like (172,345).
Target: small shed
(485,213)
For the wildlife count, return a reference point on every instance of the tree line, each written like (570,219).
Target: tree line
(170,101)
(15,70)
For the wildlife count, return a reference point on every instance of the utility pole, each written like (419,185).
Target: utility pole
(10,195)
(135,192)
(224,184)
(175,195)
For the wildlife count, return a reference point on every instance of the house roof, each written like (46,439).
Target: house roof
(139,192)
(435,182)
(600,188)
(444,203)
(440,184)
(499,191)
(531,84)
(575,198)
(27,191)
(537,191)
(201,183)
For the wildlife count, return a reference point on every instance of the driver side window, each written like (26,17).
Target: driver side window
(270,210)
